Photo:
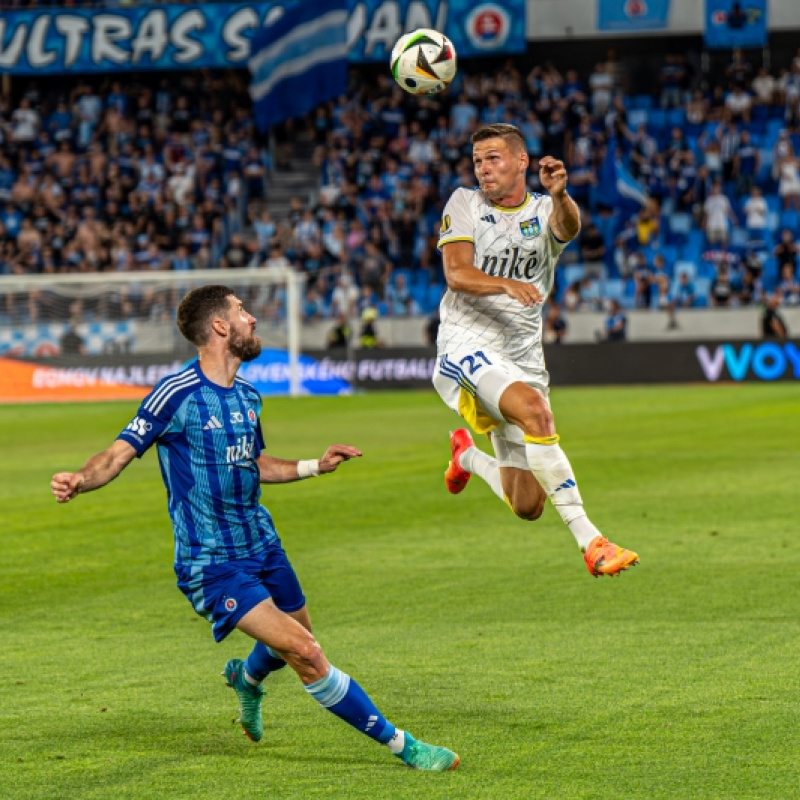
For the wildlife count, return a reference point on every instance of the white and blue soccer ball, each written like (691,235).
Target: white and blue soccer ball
(423,61)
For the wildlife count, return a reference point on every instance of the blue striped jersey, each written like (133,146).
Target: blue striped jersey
(208,439)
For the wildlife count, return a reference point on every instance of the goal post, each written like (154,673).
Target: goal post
(134,312)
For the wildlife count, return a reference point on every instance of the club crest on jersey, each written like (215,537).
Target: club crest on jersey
(230,604)
(446,224)
(251,415)
(530,228)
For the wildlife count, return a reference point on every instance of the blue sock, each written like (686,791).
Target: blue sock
(339,693)
(261,661)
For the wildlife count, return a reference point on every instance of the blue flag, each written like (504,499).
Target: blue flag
(617,188)
(299,61)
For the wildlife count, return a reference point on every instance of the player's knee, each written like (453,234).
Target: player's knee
(305,655)
(537,418)
(528,508)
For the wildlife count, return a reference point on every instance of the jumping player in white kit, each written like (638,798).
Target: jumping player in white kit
(500,245)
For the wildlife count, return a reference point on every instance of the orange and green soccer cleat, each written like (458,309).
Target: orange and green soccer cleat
(455,477)
(606,558)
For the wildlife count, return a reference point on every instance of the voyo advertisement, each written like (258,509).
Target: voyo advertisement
(331,372)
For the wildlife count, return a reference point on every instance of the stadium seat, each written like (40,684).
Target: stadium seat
(790,219)
(770,274)
(572,273)
(642,101)
(774,127)
(702,288)
(637,117)
(739,237)
(434,297)
(420,278)
(676,117)
(615,289)
(773,221)
(420,295)
(706,269)
(694,246)
(670,257)
(688,267)
(657,121)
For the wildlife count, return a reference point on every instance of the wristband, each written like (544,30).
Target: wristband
(308,468)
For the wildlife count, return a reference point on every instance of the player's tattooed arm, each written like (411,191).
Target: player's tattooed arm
(99,470)
(565,220)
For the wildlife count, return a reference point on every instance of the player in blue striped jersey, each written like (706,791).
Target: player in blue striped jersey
(229,560)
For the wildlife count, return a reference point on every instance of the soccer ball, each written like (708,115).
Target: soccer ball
(423,61)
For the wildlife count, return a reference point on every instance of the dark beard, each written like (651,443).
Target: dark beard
(244,349)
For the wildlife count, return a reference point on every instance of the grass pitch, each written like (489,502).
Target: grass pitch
(468,627)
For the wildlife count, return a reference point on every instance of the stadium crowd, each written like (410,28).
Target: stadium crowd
(168,173)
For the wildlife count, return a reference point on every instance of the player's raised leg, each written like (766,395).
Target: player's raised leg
(529,410)
(466,460)
(335,690)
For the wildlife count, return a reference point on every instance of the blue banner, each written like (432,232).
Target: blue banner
(632,15)
(145,37)
(299,61)
(736,24)
(218,35)
(474,28)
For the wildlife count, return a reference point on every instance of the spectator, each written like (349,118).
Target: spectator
(756,215)
(722,294)
(672,77)
(344,297)
(718,212)
(773,325)
(764,87)
(786,251)
(789,180)
(71,342)
(788,287)
(432,326)
(555,326)
(368,338)
(601,85)
(593,250)
(685,293)
(615,329)
(746,164)
(339,335)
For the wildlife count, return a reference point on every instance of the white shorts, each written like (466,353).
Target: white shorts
(471,383)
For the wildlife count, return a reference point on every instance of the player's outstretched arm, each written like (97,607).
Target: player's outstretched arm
(462,275)
(99,470)
(565,221)
(279,470)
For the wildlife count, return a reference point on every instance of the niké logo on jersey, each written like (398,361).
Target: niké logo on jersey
(241,451)
(489,218)
(530,228)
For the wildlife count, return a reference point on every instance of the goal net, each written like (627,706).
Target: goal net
(83,316)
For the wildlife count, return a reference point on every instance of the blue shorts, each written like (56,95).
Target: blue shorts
(224,593)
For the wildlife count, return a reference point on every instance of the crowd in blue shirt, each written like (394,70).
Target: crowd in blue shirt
(169,173)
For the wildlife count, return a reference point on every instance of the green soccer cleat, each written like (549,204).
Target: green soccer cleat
(421,755)
(249,699)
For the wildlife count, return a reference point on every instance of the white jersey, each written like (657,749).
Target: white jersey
(509,243)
